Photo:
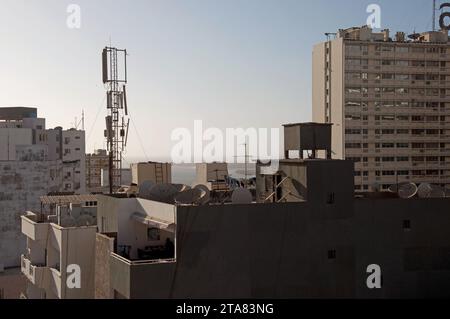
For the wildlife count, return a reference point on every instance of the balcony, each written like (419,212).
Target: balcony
(34,273)
(34,227)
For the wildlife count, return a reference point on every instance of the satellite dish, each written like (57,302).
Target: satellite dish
(85,220)
(68,221)
(189,197)
(206,195)
(414,36)
(144,189)
(437,192)
(241,196)
(166,192)
(424,190)
(407,190)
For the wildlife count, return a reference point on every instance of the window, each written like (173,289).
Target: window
(354,90)
(434,64)
(330,198)
(402,63)
(402,77)
(418,63)
(153,234)
(353,104)
(352,145)
(332,254)
(403,173)
(418,50)
(402,49)
(402,145)
(407,225)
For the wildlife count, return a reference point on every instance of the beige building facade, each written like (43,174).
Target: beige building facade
(388,100)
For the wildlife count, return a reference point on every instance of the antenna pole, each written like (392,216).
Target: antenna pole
(82,120)
(434,15)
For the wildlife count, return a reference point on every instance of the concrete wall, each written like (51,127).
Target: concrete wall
(10,138)
(281,251)
(104,246)
(335,86)
(142,172)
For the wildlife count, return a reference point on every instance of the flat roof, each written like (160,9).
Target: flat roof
(308,124)
(67,199)
(17,113)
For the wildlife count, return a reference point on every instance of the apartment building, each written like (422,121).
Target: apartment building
(27,172)
(388,99)
(61,234)
(95,164)
(69,146)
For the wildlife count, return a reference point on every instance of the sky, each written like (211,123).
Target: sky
(229,63)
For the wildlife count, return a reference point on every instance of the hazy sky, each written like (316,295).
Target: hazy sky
(230,63)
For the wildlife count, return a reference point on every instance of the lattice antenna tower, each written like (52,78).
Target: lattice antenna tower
(114,63)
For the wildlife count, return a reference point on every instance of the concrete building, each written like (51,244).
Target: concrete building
(95,164)
(316,248)
(69,146)
(32,164)
(388,100)
(311,238)
(26,174)
(60,235)
(126,178)
(158,173)
(213,175)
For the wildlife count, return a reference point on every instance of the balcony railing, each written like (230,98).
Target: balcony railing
(33,227)
(34,273)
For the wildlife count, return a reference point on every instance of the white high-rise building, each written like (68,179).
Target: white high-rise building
(389,102)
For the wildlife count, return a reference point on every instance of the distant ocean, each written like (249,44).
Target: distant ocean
(185,173)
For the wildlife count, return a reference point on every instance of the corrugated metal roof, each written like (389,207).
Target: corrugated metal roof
(67,199)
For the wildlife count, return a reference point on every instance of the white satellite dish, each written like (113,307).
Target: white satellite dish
(68,221)
(396,187)
(241,196)
(407,190)
(437,192)
(164,193)
(144,189)
(189,197)
(206,195)
(424,190)
(85,220)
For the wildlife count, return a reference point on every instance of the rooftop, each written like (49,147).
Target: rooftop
(17,113)
(67,199)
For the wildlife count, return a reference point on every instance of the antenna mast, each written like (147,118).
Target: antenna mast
(115,77)
(434,15)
